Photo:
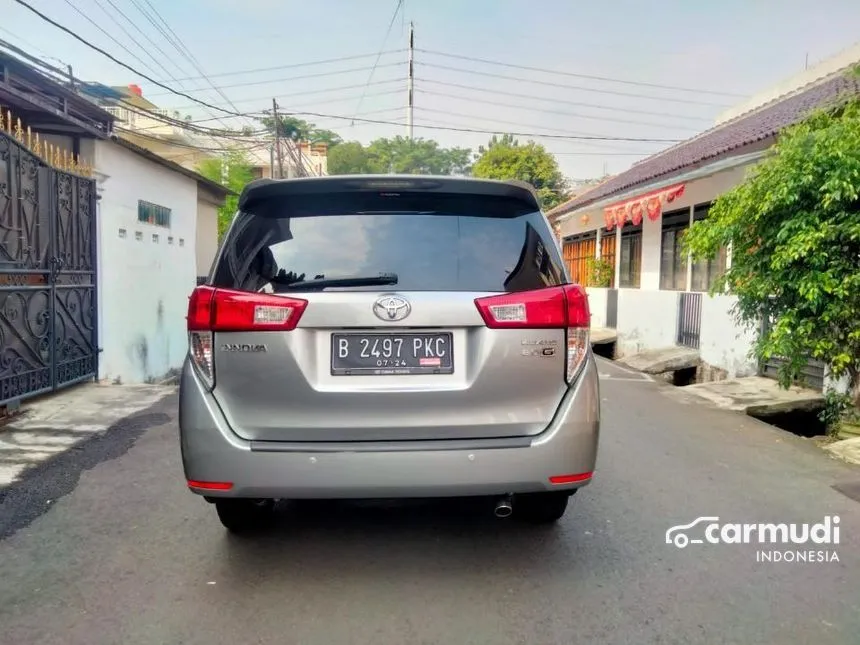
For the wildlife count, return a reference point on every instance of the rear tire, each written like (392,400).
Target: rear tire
(241,516)
(541,508)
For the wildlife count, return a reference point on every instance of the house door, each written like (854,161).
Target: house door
(48,314)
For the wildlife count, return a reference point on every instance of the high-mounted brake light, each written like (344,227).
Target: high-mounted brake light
(211,310)
(563,307)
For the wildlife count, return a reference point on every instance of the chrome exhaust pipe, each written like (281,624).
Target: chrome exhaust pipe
(504,507)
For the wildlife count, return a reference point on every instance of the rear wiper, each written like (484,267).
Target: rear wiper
(350,281)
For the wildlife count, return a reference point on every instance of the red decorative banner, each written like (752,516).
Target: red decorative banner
(651,204)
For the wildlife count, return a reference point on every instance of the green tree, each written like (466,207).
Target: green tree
(398,155)
(301,130)
(238,174)
(349,158)
(794,230)
(505,158)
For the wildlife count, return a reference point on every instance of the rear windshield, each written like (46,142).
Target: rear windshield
(426,252)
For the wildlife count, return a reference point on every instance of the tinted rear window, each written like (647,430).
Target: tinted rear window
(428,252)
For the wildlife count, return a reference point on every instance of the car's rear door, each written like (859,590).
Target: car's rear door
(374,359)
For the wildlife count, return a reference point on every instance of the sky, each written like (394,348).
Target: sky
(717,53)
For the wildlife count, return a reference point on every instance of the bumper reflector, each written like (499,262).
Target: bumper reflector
(570,479)
(210,485)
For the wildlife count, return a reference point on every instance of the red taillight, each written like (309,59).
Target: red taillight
(554,307)
(211,309)
(570,479)
(200,309)
(210,485)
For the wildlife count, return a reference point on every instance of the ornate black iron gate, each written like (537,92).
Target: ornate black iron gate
(48,309)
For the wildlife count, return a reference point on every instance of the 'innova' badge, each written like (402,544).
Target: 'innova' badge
(391,308)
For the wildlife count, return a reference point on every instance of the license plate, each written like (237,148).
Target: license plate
(379,354)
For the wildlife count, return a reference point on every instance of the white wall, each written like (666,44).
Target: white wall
(646,320)
(722,343)
(144,284)
(597,304)
(207,234)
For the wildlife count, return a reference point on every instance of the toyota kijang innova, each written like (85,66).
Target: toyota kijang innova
(388,337)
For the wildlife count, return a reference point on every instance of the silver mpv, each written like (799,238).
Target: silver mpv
(388,337)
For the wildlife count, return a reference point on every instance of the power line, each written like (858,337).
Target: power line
(179,46)
(180,144)
(601,145)
(284,79)
(481,117)
(548,99)
(109,35)
(576,75)
(257,99)
(167,120)
(278,68)
(520,79)
(316,114)
(602,154)
(482,131)
(562,112)
(397,8)
(119,62)
(133,39)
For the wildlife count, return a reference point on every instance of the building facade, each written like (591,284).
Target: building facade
(100,243)
(652,294)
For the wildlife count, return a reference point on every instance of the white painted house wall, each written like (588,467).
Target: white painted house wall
(144,281)
(648,316)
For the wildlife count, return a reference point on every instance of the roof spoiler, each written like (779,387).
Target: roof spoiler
(261,189)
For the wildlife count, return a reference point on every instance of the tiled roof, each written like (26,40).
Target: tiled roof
(577,193)
(743,130)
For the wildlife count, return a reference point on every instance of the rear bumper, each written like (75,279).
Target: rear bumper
(211,452)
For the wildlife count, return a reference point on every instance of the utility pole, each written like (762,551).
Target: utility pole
(410,81)
(272,161)
(278,138)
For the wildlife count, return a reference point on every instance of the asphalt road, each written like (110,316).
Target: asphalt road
(126,555)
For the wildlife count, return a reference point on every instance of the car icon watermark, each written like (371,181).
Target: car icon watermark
(781,542)
(676,535)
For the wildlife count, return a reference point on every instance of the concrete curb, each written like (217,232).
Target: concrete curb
(847,450)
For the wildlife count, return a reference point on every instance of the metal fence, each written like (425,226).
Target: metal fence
(689,319)
(612,308)
(48,309)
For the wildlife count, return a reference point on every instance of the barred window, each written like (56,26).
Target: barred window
(149,213)
(631,256)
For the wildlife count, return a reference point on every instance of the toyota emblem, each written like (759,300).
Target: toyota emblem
(391,308)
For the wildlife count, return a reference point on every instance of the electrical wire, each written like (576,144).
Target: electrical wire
(131,22)
(181,144)
(520,79)
(483,131)
(164,86)
(561,112)
(167,120)
(553,100)
(282,80)
(113,58)
(600,145)
(482,117)
(268,98)
(278,68)
(109,35)
(397,9)
(544,70)
(179,46)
